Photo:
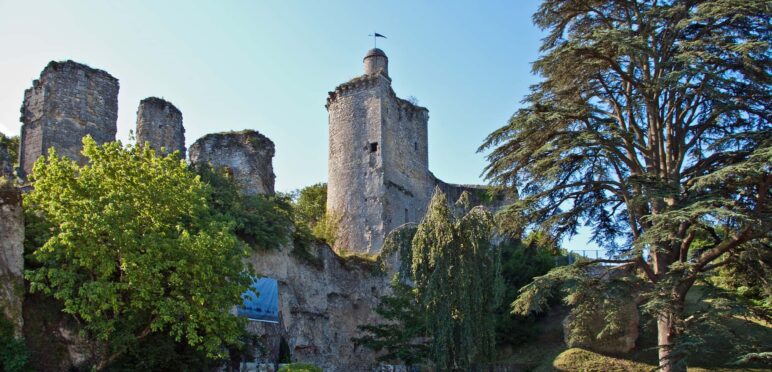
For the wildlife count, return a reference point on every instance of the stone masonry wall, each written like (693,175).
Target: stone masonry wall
(68,101)
(355,187)
(321,307)
(247,155)
(408,182)
(378,163)
(11,256)
(159,123)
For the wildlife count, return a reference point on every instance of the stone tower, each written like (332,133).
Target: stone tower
(378,159)
(247,155)
(159,123)
(68,101)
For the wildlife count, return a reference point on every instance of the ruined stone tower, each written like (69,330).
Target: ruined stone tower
(159,124)
(67,102)
(378,158)
(247,155)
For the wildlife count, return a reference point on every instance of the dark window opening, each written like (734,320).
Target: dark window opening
(373,146)
(415,145)
(406,218)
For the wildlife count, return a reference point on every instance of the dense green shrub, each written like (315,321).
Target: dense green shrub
(520,263)
(262,221)
(13,351)
(300,367)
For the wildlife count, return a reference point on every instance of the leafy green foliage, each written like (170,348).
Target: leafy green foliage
(520,263)
(311,213)
(457,276)
(300,367)
(11,144)
(403,336)
(446,292)
(262,221)
(134,249)
(160,352)
(651,126)
(13,351)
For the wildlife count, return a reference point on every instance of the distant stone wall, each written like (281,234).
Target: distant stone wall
(159,123)
(486,196)
(11,255)
(68,101)
(247,155)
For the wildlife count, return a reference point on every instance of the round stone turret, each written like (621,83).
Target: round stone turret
(376,62)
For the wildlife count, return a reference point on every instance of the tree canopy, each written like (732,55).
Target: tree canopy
(652,127)
(446,291)
(132,248)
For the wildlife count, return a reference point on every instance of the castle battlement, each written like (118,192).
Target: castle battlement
(379,175)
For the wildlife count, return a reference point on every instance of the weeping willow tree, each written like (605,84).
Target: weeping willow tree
(651,126)
(455,273)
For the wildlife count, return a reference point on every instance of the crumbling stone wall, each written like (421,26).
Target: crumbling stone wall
(321,305)
(247,155)
(68,101)
(11,255)
(159,123)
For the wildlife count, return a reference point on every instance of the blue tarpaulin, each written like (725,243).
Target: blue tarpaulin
(262,306)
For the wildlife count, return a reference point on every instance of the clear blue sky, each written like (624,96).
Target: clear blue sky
(268,65)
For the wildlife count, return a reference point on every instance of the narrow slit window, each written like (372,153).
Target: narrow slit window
(373,146)
(406,217)
(415,146)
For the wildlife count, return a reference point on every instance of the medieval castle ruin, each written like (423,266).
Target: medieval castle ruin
(379,179)
(378,175)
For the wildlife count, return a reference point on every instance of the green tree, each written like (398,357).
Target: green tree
(403,336)
(311,204)
(11,144)
(455,274)
(652,126)
(311,213)
(520,263)
(261,221)
(134,249)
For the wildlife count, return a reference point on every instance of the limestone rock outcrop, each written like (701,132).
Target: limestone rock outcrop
(247,155)
(159,123)
(321,303)
(68,101)
(11,255)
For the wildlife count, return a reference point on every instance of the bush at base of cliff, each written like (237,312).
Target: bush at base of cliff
(300,367)
(13,352)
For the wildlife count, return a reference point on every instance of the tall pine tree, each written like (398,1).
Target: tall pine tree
(652,126)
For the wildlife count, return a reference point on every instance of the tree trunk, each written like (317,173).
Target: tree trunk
(667,331)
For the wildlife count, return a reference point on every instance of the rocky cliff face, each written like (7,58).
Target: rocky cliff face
(68,101)
(321,306)
(159,123)
(11,255)
(247,155)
